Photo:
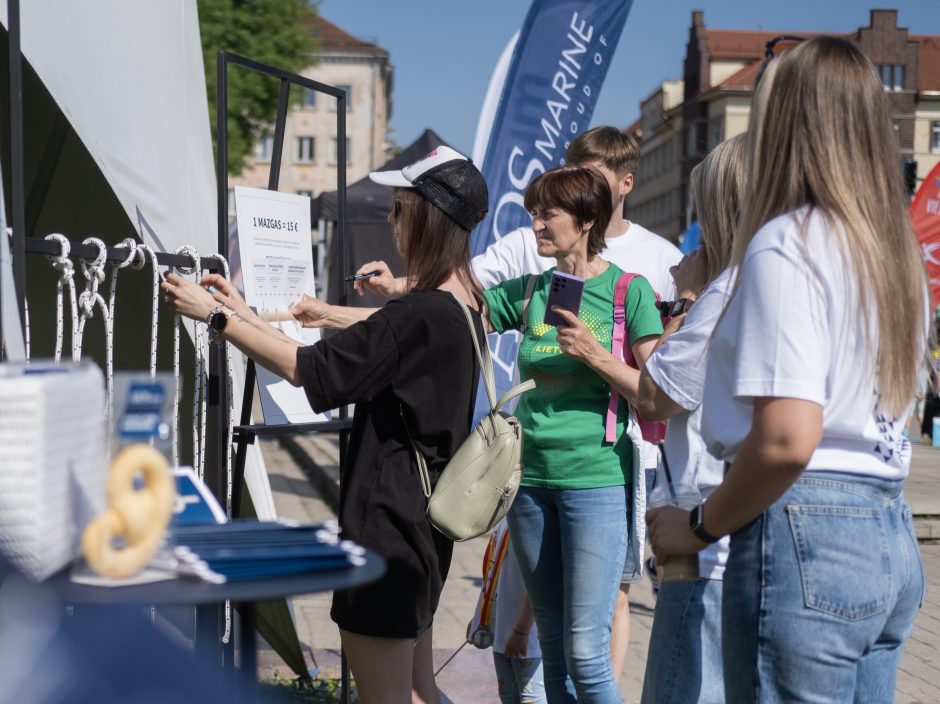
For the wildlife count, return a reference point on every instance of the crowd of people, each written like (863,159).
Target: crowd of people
(784,358)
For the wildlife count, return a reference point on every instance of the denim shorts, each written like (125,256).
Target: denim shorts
(820,593)
(633,563)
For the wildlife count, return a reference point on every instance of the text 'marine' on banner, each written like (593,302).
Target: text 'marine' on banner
(555,76)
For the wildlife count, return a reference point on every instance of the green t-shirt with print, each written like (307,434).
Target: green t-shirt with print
(563,418)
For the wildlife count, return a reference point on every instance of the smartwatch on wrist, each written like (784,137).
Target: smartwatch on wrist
(696,520)
(217,319)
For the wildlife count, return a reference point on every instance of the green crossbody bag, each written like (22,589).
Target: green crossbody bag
(479,483)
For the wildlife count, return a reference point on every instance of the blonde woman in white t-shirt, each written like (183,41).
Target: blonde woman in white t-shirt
(810,376)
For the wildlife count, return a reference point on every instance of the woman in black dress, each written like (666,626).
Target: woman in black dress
(413,363)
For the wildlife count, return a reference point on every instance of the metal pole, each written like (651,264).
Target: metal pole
(17,159)
(221,130)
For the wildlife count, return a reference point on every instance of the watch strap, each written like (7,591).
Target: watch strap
(696,520)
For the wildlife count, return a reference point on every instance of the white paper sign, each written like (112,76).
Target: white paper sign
(277,268)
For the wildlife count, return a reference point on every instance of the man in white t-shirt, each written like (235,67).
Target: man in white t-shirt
(628,245)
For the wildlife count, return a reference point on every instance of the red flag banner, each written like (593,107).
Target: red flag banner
(925,216)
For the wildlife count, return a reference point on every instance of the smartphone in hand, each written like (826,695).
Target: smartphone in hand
(565,292)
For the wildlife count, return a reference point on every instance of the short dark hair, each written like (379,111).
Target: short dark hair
(582,192)
(614,148)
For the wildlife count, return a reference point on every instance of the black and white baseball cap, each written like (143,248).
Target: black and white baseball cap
(447,179)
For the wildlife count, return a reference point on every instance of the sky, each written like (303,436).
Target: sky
(443,51)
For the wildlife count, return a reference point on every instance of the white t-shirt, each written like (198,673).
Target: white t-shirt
(793,330)
(678,368)
(637,251)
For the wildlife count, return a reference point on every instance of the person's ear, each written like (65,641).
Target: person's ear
(586,226)
(626,184)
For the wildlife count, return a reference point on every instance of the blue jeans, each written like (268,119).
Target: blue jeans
(683,665)
(519,679)
(821,593)
(570,546)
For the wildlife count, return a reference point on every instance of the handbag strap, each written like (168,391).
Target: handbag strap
(486,369)
(486,366)
(526,299)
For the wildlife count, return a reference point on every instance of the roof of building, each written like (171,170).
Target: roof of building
(332,37)
(734,45)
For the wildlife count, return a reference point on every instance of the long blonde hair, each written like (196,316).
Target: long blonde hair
(718,187)
(821,136)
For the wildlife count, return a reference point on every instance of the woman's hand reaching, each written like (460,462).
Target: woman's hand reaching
(384,284)
(223,291)
(312,312)
(187,298)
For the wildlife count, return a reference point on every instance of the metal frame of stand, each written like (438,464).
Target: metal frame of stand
(245,432)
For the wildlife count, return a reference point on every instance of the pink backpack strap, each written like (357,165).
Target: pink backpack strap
(652,431)
(617,349)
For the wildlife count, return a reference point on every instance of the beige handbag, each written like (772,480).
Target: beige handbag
(479,483)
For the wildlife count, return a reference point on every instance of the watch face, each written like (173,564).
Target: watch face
(217,321)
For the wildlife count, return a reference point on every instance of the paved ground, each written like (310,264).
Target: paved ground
(469,679)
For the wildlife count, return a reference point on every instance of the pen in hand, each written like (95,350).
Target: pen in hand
(363,277)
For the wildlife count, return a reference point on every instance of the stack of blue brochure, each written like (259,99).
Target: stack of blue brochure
(247,549)
(204,545)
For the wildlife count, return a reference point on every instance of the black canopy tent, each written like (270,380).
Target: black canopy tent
(368,235)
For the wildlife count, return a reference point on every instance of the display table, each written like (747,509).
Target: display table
(190,592)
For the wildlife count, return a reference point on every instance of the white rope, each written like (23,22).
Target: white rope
(66,270)
(130,245)
(140,259)
(199,385)
(229,434)
(95,275)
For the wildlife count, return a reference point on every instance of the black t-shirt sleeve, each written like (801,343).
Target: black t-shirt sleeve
(351,366)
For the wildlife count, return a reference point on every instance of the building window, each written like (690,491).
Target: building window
(892,76)
(309,100)
(348,91)
(714,133)
(265,147)
(334,149)
(305,150)
(935,136)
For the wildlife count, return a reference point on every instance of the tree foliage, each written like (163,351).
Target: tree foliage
(273,32)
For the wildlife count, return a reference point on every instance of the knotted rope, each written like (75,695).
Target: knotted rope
(66,270)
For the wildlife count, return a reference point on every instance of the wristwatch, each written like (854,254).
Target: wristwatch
(696,520)
(218,319)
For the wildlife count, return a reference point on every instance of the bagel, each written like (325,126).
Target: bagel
(137,516)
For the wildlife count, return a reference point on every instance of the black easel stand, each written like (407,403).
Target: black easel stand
(245,433)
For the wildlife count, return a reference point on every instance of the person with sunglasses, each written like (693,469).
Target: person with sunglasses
(411,370)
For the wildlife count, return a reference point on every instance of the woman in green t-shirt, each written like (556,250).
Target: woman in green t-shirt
(569,519)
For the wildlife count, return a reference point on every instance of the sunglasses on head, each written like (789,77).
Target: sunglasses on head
(769,46)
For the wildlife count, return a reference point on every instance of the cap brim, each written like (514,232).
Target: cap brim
(393,179)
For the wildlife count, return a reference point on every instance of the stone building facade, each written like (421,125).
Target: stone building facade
(719,72)
(308,163)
